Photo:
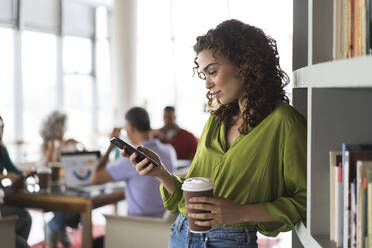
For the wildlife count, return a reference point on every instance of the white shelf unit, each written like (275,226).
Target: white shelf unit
(338,114)
(336,99)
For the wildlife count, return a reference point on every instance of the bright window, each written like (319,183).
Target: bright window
(84,93)
(78,88)
(39,83)
(77,55)
(6,82)
(103,65)
(155,75)
(78,107)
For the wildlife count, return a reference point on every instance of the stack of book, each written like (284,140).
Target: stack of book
(351,196)
(352,28)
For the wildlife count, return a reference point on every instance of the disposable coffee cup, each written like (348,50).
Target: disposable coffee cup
(55,167)
(45,178)
(197,186)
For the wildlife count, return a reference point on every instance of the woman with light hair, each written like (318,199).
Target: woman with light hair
(52,132)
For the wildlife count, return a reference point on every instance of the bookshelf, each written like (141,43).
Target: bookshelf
(336,99)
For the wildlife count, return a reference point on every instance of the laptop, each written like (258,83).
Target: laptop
(78,167)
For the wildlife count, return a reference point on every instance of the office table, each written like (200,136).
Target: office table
(61,198)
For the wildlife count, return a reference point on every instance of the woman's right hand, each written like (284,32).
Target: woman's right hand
(151,170)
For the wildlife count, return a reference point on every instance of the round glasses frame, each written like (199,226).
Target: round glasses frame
(201,75)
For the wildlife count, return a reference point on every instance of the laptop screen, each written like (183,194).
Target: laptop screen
(78,167)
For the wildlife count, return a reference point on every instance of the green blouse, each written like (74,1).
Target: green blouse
(267,165)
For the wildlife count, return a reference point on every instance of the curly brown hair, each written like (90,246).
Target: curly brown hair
(256,56)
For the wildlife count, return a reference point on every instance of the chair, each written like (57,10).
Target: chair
(133,231)
(7,231)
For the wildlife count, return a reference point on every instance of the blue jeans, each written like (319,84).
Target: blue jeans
(63,219)
(217,237)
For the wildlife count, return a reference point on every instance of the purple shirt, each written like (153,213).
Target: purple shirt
(142,192)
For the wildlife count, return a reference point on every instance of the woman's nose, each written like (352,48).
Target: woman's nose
(208,83)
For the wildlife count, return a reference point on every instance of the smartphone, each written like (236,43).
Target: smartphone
(130,150)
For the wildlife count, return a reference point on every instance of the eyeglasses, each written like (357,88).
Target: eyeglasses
(201,75)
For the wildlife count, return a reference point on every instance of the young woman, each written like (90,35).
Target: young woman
(253,146)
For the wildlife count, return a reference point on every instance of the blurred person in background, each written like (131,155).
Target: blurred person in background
(141,193)
(23,223)
(183,141)
(52,132)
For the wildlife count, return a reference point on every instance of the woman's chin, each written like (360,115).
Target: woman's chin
(224,101)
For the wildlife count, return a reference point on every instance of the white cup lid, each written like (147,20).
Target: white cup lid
(197,184)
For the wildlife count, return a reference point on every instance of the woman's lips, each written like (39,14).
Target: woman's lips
(216,94)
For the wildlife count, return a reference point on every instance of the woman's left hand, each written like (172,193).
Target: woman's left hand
(222,211)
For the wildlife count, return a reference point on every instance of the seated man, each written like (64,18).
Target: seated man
(184,142)
(23,223)
(141,193)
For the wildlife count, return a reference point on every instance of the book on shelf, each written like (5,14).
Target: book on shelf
(369,26)
(352,28)
(353,225)
(351,153)
(362,21)
(339,46)
(335,162)
(368,222)
(362,167)
(341,21)
(365,231)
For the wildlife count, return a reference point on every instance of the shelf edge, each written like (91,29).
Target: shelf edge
(304,235)
(355,72)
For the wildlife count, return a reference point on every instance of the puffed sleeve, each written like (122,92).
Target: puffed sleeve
(171,200)
(291,207)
